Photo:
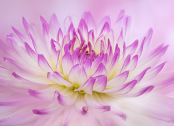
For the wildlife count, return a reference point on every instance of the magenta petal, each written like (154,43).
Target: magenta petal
(91,36)
(154,71)
(126,63)
(20,35)
(13,62)
(31,52)
(87,65)
(75,56)
(77,75)
(147,40)
(87,16)
(128,88)
(140,92)
(133,63)
(50,109)
(87,86)
(54,24)
(105,29)
(83,30)
(68,99)
(26,26)
(60,37)
(94,104)
(118,80)
(100,83)
(132,48)
(67,23)
(39,112)
(43,64)
(80,105)
(103,21)
(56,77)
(17,76)
(120,15)
(153,58)
(101,70)
(67,63)
(44,21)
(141,75)
(125,88)
(44,94)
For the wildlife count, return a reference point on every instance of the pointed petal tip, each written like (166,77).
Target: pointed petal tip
(35,111)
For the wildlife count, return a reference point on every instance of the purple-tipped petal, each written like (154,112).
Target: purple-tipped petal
(67,63)
(67,23)
(87,16)
(91,37)
(120,15)
(20,35)
(101,70)
(84,30)
(118,80)
(43,64)
(77,75)
(17,76)
(140,92)
(126,63)
(94,104)
(133,63)
(141,75)
(56,77)
(154,71)
(129,87)
(75,56)
(31,52)
(68,99)
(132,48)
(60,37)
(54,24)
(105,29)
(87,86)
(80,105)
(125,88)
(98,44)
(26,26)
(100,83)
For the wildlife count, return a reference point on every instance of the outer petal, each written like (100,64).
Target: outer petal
(43,64)
(94,104)
(118,80)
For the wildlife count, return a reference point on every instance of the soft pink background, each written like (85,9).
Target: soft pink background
(158,14)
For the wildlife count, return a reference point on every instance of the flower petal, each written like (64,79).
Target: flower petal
(43,64)
(118,80)
(100,83)
(87,86)
(77,75)
(56,77)
(67,63)
(101,70)
(94,104)
(67,99)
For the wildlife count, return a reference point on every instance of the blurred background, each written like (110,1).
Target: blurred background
(158,14)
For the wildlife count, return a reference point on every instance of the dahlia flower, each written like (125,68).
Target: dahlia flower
(84,75)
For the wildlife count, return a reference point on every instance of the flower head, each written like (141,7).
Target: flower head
(81,75)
